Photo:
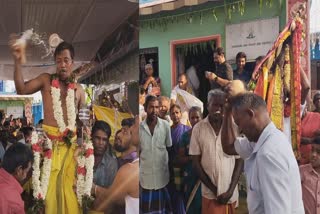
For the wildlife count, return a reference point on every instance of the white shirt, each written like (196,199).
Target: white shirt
(287,123)
(216,164)
(154,170)
(273,179)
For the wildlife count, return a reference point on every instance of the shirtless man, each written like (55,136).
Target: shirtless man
(126,183)
(60,196)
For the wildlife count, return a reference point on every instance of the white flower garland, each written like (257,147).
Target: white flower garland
(57,110)
(71,109)
(85,179)
(40,186)
(85,175)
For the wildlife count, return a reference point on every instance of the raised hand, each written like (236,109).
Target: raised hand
(18,49)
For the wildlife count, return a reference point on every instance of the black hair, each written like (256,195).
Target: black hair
(127,122)
(149,98)
(174,106)
(26,130)
(241,55)
(103,126)
(316,97)
(17,155)
(259,58)
(219,51)
(64,46)
(40,121)
(248,99)
(142,90)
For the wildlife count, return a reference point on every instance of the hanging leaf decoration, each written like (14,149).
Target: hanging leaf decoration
(229,12)
(214,15)
(229,8)
(195,48)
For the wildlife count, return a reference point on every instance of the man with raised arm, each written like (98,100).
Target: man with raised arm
(61,98)
(271,169)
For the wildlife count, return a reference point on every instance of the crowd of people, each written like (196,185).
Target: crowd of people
(115,180)
(181,150)
(171,159)
(13,130)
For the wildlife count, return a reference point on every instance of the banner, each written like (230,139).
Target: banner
(254,38)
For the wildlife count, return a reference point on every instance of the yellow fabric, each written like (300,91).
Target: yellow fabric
(111,116)
(265,81)
(28,186)
(60,196)
(277,102)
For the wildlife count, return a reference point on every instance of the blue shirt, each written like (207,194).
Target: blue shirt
(106,170)
(273,178)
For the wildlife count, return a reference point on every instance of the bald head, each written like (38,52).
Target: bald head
(183,81)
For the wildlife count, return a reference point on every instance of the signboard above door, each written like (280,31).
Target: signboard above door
(254,38)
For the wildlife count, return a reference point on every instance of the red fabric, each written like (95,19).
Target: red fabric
(210,206)
(10,196)
(310,123)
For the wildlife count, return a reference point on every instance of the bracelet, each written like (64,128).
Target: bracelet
(216,79)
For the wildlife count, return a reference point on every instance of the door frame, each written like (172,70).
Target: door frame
(173,54)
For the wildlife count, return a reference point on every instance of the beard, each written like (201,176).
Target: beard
(120,148)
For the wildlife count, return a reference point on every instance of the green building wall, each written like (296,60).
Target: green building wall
(157,37)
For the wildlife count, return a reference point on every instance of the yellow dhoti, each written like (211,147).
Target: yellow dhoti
(60,197)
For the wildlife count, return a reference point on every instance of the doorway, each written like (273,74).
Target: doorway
(194,57)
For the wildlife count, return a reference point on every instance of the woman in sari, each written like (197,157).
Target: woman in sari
(190,178)
(177,129)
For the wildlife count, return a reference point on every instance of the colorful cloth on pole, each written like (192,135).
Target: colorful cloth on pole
(279,80)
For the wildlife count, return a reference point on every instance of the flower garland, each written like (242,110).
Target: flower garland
(40,186)
(85,161)
(85,158)
(67,130)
